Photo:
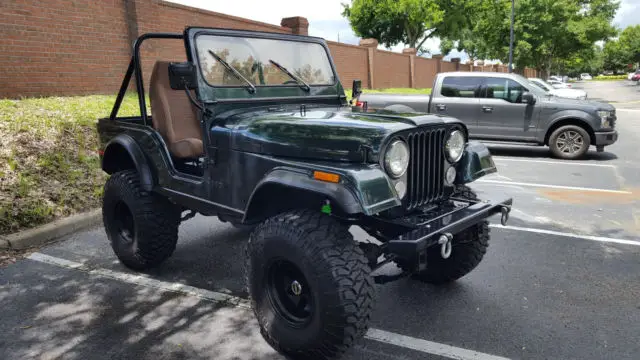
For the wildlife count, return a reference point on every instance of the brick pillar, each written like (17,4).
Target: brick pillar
(438,57)
(412,68)
(372,46)
(298,25)
(457,62)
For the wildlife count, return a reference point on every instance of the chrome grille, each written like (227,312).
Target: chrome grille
(426,168)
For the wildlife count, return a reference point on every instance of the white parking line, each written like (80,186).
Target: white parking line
(565,234)
(507,159)
(552,186)
(429,347)
(408,342)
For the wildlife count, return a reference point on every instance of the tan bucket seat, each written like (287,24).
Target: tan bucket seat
(173,115)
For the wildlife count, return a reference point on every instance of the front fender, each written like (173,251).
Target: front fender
(475,163)
(584,117)
(365,190)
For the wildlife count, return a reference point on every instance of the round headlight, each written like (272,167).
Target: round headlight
(454,146)
(396,159)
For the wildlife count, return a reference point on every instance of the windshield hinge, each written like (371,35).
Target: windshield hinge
(303,110)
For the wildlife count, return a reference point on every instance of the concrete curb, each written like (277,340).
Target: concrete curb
(48,232)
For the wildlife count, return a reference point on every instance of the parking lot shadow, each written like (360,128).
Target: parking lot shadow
(54,313)
(543,152)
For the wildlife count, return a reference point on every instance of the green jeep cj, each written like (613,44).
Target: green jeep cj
(255,128)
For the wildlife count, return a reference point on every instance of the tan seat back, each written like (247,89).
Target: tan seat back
(173,115)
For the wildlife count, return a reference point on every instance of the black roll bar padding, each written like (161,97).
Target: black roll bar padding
(135,67)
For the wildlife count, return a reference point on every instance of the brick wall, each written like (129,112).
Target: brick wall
(75,47)
(426,70)
(62,47)
(391,70)
(351,62)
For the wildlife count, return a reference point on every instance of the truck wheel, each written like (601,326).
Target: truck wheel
(468,249)
(309,284)
(142,227)
(569,142)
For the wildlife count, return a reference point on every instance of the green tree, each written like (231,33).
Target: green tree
(590,60)
(546,31)
(410,22)
(630,43)
(616,58)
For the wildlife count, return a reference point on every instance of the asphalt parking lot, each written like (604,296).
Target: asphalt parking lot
(561,281)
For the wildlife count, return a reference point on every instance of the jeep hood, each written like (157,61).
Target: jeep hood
(323,134)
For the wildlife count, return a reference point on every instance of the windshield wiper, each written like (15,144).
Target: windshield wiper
(251,89)
(300,82)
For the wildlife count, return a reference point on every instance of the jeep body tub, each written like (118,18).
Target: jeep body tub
(267,148)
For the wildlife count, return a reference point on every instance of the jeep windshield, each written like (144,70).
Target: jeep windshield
(262,62)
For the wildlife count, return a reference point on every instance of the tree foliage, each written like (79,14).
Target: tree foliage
(545,30)
(409,22)
(630,43)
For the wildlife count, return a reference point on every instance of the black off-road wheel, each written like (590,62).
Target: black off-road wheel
(569,142)
(468,249)
(142,227)
(309,284)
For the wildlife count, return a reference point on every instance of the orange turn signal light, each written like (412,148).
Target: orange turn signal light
(324,176)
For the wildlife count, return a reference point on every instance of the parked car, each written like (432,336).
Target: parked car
(631,75)
(585,76)
(556,78)
(509,108)
(636,77)
(559,84)
(561,92)
(281,152)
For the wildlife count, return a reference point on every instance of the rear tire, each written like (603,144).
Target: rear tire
(468,249)
(310,252)
(142,227)
(569,142)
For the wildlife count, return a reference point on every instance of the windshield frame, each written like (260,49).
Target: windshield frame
(196,48)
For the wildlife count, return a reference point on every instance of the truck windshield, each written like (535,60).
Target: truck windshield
(254,59)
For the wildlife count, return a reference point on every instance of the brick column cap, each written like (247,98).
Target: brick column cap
(410,51)
(298,24)
(371,43)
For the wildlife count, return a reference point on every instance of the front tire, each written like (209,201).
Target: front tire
(142,227)
(309,284)
(569,142)
(468,249)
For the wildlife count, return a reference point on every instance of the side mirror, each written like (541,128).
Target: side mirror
(528,98)
(182,76)
(356,89)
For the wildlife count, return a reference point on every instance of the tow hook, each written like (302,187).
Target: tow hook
(505,210)
(445,245)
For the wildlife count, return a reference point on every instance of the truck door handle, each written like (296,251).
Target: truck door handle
(487,109)
(441,107)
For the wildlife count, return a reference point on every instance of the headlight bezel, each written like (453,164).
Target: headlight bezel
(386,161)
(451,159)
(605,118)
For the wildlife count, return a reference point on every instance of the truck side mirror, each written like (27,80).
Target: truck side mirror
(528,98)
(356,89)
(182,76)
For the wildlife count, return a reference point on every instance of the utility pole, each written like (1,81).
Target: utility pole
(511,37)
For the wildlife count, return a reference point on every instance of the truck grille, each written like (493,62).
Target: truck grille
(426,167)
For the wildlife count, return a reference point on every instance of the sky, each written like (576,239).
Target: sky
(326,21)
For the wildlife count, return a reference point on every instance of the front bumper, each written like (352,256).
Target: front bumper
(606,138)
(411,246)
